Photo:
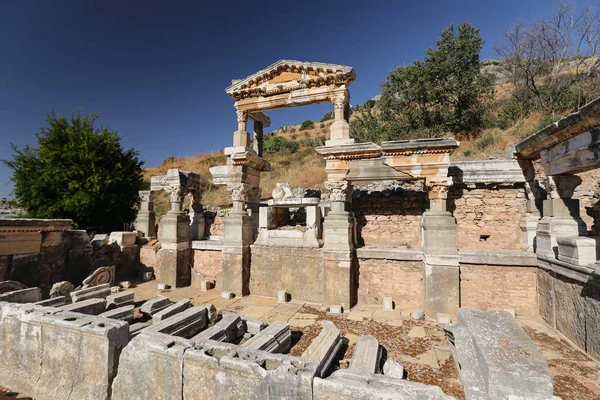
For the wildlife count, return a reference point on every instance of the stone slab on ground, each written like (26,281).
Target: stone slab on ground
(29,295)
(119,300)
(90,306)
(324,347)
(124,313)
(345,384)
(497,358)
(52,302)
(94,292)
(137,328)
(155,305)
(276,338)
(48,353)
(171,310)
(254,325)
(230,328)
(185,324)
(367,355)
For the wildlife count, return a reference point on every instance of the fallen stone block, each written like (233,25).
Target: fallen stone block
(345,384)
(276,338)
(151,367)
(185,324)
(388,304)
(336,309)
(94,292)
(227,295)
(119,300)
(283,296)
(230,328)
(393,369)
(173,309)
(443,319)
(137,328)
(254,326)
(214,370)
(578,250)
(48,353)
(122,238)
(324,348)
(417,314)
(367,355)
(124,313)
(30,295)
(496,358)
(52,302)
(206,285)
(155,305)
(89,306)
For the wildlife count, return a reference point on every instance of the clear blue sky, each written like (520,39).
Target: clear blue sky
(156,71)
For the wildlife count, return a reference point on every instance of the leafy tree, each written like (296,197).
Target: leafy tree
(366,127)
(445,92)
(328,116)
(78,172)
(308,124)
(276,144)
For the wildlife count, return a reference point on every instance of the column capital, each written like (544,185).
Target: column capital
(338,190)
(560,186)
(177,193)
(147,196)
(239,191)
(242,116)
(340,99)
(437,188)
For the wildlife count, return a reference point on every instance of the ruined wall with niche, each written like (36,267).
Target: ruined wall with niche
(488,216)
(390,217)
(488,286)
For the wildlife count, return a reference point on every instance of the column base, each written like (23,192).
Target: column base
(439,232)
(338,231)
(561,218)
(528,224)
(173,267)
(235,269)
(341,278)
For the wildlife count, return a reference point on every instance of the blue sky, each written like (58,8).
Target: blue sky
(157,71)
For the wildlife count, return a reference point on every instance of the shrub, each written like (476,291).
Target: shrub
(328,115)
(276,144)
(486,140)
(308,124)
(468,153)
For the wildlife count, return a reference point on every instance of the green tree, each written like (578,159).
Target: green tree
(328,116)
(308,124)
(445,92)
(78,172)
(276,144)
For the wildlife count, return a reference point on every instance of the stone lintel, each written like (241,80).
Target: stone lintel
(100,291)
(324,347)
(367,355)
(29,295)
(153,306)
(124,313)
(92,306)
(486,171)
(185,324)
(171,310)
(276,338)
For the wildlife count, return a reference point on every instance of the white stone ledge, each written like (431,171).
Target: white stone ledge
(207,245)
(513,259)
(382,253)
(580,274)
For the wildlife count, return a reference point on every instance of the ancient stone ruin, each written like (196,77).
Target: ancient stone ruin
(399,226)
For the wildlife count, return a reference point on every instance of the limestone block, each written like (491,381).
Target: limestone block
(254,325)
(324,348)
(173,309)
(124,313)
(418,314)
(122,238)
(528,224)
(100,292)
(151,368)
(283,296)
(51,354)
(155,305)
(578,250)
(336,309)
(207,284)
(54,301)
(185,324)
(31,295)
(173,266)
(20,243)
(367,356)
(497,358)
(227,295)
(388,304)
(276,338)
(214,370)
(344,384)
(91,306)
(230,328)
(443,319)
(211,312)
(100,240)
(393,369)
(119,300)
(137,328)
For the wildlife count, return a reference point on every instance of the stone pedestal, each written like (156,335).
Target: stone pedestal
(197,223)
(239,235)
(561,218)
(338,231)
(173,259)
(146,219)
(528,224)
(442,272)
(341,280)
(579,250)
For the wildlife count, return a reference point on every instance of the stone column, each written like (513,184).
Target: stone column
(241,138)
(528,222)
(257,144)
(339,256)
(146,218)
(197,223)
(173,264)
(442,271)
(340,129)
(239,235)
(560,214)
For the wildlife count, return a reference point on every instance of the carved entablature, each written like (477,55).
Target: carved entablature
(177,183)
(289,83)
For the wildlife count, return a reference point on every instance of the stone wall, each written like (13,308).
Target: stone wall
(401,280)
(484,287)
(389,218)
(207,264)
(487,216)
(571,304)
(214,223)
